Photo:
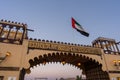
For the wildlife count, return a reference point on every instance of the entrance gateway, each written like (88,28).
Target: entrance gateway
(18,53)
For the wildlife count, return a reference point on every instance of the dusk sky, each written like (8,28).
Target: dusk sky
(51,20)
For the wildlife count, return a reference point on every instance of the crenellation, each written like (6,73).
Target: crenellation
(39,39)
(50,41)
(1,19)
(35,39)
(47,40)
(5,20)
(58,42)
(9,21)
(54,41)
(12,23)
(30,39)
(61,42)
(43,40)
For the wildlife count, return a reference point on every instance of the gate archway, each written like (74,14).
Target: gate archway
(91,68)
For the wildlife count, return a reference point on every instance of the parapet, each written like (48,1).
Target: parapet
(12,32)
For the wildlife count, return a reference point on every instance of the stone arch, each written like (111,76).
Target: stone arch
(91,67)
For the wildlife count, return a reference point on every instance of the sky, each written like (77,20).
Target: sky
(51,19)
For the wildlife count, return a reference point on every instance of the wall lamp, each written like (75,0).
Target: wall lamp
(116,63)
(79,64)
(63,62)
(6,55)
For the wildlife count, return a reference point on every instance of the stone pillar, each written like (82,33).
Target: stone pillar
(114,49)
(10,27)
(17,28)
(109,43)
(3,26)
(117,49)
(22,74)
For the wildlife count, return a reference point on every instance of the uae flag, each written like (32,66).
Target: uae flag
(79,28)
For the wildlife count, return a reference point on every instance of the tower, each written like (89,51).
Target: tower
(108,45)
(12,32)
(13,46)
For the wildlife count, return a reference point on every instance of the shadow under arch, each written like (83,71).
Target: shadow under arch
(91,68)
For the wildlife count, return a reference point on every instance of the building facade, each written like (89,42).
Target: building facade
(18,53)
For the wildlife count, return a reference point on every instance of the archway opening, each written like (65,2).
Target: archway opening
(90,67)
(53,71)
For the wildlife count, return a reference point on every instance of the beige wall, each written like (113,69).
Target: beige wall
(8,74)
(19,58)
(110,65)
(15,60)
(110,61)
